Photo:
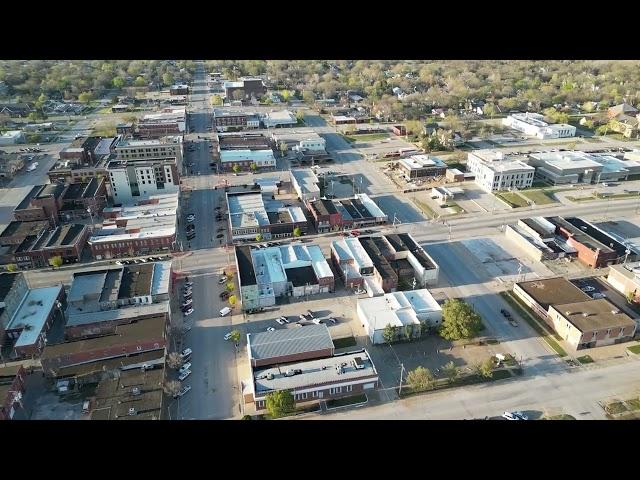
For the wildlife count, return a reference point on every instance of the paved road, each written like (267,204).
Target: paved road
(576,393)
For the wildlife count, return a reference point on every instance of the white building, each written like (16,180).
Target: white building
(133,180)
(494,171)
(405,311)
(262,158)
(165,147)
(305,183)
(283,118)
(533,124)
(12,137)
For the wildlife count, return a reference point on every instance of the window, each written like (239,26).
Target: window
(348,388)
(303,396)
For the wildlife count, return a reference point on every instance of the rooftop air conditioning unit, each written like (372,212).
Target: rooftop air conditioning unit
(135,391)
(132,411)
(269,376)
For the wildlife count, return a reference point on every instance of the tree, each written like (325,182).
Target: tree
(300,116)
(490,110)
(230,287)
(216,100)
(259,237)
(12,267)
(308,96)
(85,97)
(631,296)
(389,333)
(174,360)
(420,379)
(56,261)
(283,148)
(167,78)
(451,372)
(459,320)
(253,167)
(247,417)
(238,94)
(232,300)
(486,368)
(297,232)
(414,127)
(171,387)
(236,168)
(235,336)
(280,403)
(118,82)
(140,82)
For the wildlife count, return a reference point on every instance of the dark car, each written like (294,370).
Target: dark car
(255,310)
(505,313)
(224,295)
(220,235)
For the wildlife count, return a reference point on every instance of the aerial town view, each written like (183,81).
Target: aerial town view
(319,240)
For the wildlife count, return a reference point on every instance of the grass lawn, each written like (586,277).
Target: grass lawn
(501,374)
(456,207)
(344,342)
(604,197)
(341,402)
(104,110)
(615,408)
(633,404)
(365,137)
(541,197)
(512,199)
(426,209)
(585,359)
(634,349)
(542,331)
(563,416)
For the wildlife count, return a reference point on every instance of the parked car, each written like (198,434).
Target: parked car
(184,375)
(222,279)
(185,367)
(332,320)
(513,323)
(188,312)
(271,329)
(284,319)
(514,416)
(227,336)
(505,313)
(280,321)
(588,288)
(118,262)
(310,314)
(182,391)
(224,295)
(186,353)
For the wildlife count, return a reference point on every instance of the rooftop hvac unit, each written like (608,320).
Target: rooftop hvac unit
(585,314)
(615,312)
(135,391)
(132,411)
(269,376)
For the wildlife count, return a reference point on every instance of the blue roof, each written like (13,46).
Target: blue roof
(32,313)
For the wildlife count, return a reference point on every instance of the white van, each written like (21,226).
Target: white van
(225,311)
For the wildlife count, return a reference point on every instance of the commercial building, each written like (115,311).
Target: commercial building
(591,323)
(383,263)
(245,158)
(132,180)
(10,164)
(595,247)
(533,124)
(283,118)
(100,300)
(294,270)
(347,213)
(252,213)
(169,121)
(170,147)
(313,380)
(179,89)
(626,279)
(16,109)
(410,313)
(64,241)
(245,89)
(542,293)
(305,183)
(289,345)
(30,314)
(419,166)
(494,171)
(227,120)
(146,227)
(43,202)
(444,194)
(84,159)
(537,237)
(12,389)
(12,137)
(146,335)
(300,140)
(15,232)
(243,141)
(81,200)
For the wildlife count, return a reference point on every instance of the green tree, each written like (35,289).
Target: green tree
(389,333)
(459,320)
(85,97)
(490,110)
(259,237)
(631,296)
(451,372)
(174,360)
(238,94)
(118,82)
(235,336)
(236,168)
(230,286)
(56,261)
(253,167)
(300,116)
(285,94)
(414,127)
(283,148)
(232,300)
(247,417)
(12,267)
(486,368)
(167,79)
(420,379)
(297,232)
(40,101)
(216,100)
(308,97)
(280,403)
(140,82)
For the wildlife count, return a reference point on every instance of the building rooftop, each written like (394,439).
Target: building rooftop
(399,308)
(246,155)
(306,180)
(301,276)
(18,228)
(422,161)
(324,207)
(32,314)
(594,315)
(26,201)
(6,283)
(552,291)
(371,208)
(290,341)
(313,372)
(600,239)
(351,249)
(155,357)
(245,266)
(382,265)
(246,209)
(136,281)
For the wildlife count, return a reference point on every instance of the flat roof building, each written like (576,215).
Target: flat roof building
(533,124)
(542,293)
(289,345)
(282,118)
(305,183)
(418,166)
(494,171)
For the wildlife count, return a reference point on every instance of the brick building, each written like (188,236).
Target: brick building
(12,388)
(66,241)
(43,202)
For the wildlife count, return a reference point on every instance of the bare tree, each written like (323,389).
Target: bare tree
(174,360)
(172,387)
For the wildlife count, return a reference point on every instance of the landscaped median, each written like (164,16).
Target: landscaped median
(533,322)
(635,349)
(512,199)
(599,196)
(539,197)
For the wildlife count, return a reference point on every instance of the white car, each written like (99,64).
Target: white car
(514,416)
(188,312)
(271,329)
(187,302)
(119,262)
(227,336)
(188,284)
(185,367)
(186,353)
(284,319)
(280,321)
(184,375)
(588,288)
(222,280)
(182,391)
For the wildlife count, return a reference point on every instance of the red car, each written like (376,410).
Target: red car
(355,233)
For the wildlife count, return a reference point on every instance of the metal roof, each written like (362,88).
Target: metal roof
(291,341)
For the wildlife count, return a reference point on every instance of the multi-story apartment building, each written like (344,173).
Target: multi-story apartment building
(164,147)
(494,171)
(132,180)
(224,120)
